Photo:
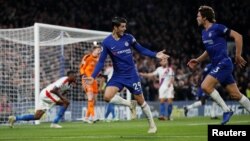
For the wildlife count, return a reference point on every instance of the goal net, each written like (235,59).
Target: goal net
(33,57)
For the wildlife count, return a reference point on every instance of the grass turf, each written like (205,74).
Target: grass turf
(180,129)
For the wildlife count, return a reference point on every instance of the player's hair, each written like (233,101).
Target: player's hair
(71,72)
(208,12)
(95,47)
(116,21)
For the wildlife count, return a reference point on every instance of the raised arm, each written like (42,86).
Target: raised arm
(143,50)
(147,52)
(147,74)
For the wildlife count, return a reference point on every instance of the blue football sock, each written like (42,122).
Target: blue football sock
(170,108)
(25,117)
(110,109)
(107,114)
(60,114)
(162,109)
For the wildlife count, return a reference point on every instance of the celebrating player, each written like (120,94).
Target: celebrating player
(213,37)
(166,90)
(119,47)
(87,66)
(53,94)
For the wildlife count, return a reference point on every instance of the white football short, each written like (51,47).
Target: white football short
(47,100)
(166,93)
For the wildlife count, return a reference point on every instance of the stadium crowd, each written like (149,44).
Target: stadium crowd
(156,24)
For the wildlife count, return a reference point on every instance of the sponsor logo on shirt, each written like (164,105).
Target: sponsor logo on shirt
(210,42)
(126,51)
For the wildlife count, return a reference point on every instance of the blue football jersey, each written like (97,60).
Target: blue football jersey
(215,42)
(120,52)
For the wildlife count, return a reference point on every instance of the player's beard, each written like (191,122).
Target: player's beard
(120,34)
(199,23)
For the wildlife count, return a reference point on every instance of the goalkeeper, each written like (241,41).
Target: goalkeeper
(87,66)
(52,95)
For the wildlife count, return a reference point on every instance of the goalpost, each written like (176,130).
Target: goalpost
(33,57)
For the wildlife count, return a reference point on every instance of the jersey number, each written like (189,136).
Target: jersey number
(137,86)
(215,70)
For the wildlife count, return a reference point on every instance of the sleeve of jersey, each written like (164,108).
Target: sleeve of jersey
(156,72)
(59,82)
(83,66)
(223,30)
(143,50)
(172,72)
(100,63)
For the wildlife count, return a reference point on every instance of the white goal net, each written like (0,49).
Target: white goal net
(33,57)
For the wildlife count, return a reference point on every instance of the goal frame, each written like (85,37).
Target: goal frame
(37,27)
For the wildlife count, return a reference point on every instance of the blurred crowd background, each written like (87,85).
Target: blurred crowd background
(156,24)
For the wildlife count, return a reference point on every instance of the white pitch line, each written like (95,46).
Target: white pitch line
(216,123)
(101,137)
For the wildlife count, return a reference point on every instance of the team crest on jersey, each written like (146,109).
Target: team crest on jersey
(133,40)
(126,44)
(210,34)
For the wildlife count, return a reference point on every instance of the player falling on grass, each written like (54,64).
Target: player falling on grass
(53,94)
(119,46)
(202,97)
(214,39)
(166,90)
(87,66)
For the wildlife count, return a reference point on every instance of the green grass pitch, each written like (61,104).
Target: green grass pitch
(180,129)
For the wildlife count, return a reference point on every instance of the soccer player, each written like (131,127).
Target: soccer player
(202,97)
(166,90)
(87,66)
(119,47)
(214,39)
(53,94)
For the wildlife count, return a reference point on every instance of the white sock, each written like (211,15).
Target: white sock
(194,105)
(217,98)
(244,101)
(147,112)
(213,108)
(120,101)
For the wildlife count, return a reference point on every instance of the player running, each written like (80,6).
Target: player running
(214,39)
(119,47)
